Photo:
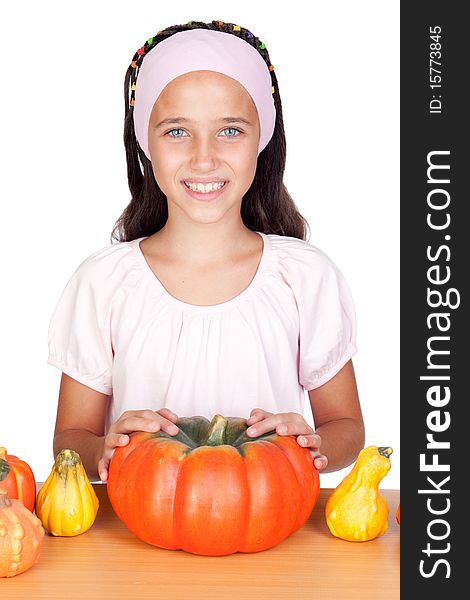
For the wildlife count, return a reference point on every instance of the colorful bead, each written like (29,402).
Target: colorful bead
(249,34)
(133,87)
(189,23)
(140,51)
(132,102)
(261,45)
(236,28)
(150,41)
(271,67)
(133,64)
(272,90)
(159,32)
(220,22)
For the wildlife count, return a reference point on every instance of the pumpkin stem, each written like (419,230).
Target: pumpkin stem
(65,460)
(385,451)
(4,470)
(216,433)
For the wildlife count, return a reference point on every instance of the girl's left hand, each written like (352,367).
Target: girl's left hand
(287,424)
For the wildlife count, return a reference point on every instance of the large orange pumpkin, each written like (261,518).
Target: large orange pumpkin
(211,489)
(20,483)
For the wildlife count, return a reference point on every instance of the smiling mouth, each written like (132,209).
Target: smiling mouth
(205,188)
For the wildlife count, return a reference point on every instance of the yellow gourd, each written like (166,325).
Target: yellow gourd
(67,504)
(356,511)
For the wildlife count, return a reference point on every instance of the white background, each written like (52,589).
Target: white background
(64,183)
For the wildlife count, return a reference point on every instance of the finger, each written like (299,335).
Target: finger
(165,425)
(320,462)
(155,423)
(132,423)
(144,414)
(151,414)
(311,440)
(295,426)
(135,413)
(256,415)
(113,440)
(169,414)
(103,469)
(266,425)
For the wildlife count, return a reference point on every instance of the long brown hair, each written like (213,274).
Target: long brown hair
(267,206)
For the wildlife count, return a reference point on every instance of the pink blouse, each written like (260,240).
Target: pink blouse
(117,330)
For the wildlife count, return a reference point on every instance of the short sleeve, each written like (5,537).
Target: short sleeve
(79,337)
(327,323)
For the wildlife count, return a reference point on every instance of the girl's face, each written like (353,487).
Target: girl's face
(211,131)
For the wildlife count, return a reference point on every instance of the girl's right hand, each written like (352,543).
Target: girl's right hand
(134,420)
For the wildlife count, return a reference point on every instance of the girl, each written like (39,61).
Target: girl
(211,301)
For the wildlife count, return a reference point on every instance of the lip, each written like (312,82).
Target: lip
(209,195)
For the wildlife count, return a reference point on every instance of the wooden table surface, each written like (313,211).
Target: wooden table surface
(109,562)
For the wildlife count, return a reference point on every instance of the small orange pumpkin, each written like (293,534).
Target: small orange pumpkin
(20,483)
(21,533)
(398,515)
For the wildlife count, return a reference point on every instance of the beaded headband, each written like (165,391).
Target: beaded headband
(201,49)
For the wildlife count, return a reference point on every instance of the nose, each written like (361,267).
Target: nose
(204,155)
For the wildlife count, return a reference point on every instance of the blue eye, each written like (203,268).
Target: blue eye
(171,131)
(233,129)
(226,129)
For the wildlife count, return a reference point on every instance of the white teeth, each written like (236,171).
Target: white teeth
(205,188)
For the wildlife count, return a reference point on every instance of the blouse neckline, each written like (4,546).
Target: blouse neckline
(252,286)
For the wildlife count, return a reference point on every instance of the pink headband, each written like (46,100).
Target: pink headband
(203,49)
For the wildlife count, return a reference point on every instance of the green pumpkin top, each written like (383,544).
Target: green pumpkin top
(199,431)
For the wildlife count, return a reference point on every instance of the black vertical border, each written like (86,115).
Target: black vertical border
(421,133)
